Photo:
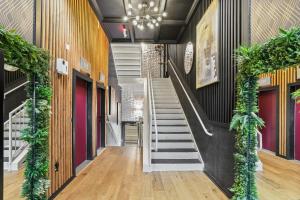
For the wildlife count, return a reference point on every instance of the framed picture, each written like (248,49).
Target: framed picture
(207,47)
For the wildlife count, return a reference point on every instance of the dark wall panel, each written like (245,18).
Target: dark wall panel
(214,103)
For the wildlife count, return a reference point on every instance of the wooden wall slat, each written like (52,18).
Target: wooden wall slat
(282,78)
(70,22)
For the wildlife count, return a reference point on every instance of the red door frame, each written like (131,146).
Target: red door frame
(291,125)
(100,118)
(89,137)
(275,89)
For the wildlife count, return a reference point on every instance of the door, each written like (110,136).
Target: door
(297,131)
(268,112)
(99,124)
(81,122)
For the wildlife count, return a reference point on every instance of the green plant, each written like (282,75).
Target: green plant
(35,63)
(296,95)
(280,52)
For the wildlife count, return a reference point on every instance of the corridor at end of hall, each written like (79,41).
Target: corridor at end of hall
(117,174)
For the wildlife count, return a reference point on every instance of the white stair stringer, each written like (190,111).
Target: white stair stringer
(177,150)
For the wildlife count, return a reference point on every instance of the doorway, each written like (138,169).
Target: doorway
(268,104)
(82,120)
(293,124)
(100,118)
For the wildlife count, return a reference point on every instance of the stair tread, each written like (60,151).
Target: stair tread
(175,141)
(175,150)
(153,132)
(176,161)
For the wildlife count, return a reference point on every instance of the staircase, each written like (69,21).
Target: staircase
(176,148)
(127,59)
(15,149)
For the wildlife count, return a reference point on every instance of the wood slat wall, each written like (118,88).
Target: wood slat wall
(281,79)
(280,14)
(70,22)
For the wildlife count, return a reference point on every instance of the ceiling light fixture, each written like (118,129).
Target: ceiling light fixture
(145,14)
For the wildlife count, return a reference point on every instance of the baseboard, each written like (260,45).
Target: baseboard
(225,191)
(61,188)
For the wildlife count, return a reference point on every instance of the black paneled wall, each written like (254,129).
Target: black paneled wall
(216,101)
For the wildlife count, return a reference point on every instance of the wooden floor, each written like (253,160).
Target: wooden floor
(117,174)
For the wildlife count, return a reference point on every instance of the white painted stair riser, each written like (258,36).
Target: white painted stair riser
(177,167)
(172,128)
(170,122)
(168,111)
(172,137)
(169,116)
(174,145)
(175,155)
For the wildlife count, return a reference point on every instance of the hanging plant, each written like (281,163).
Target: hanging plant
(296,95)
(35,63)
(279,52)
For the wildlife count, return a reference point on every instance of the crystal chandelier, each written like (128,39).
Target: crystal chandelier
(146,14)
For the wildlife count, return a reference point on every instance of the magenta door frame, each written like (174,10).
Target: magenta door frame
(270,114)
(99,124)
(77,159)
(81,122)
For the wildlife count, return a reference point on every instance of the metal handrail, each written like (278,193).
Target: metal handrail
(199,118)
(259,134)
(19,86)
(150,115)
(154,115)
(13,153)
(111,129)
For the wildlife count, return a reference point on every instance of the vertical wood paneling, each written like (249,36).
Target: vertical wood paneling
(281,79)
(70,22)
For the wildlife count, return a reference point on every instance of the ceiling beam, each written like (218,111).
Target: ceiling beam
(162,7)
(188,18)
(164,22)
(97,11)
(131,29)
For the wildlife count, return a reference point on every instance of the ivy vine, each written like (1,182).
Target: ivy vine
(280,52)
(34,62)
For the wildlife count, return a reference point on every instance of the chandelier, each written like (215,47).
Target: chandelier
(145,15)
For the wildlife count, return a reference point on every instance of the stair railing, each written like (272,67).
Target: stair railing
(197,114)
(154,114)
(259,137)
(16,123)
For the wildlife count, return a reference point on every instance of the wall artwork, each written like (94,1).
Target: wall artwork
(207,47)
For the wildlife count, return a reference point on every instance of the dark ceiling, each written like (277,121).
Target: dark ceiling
(111,13)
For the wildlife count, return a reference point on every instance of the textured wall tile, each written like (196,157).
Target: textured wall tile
(18,15)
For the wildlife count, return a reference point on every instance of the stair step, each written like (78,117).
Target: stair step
(168,111)
(175,155)
(167,106)
(170,122)
(164,101)
(171,141)
(177,167)
(175,161)
(169,116)
(173,136)
(171,128)
(176,150)
(174,145)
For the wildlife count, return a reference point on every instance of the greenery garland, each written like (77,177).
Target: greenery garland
(35,63)
(280,52)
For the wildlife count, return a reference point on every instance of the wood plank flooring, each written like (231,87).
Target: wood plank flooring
(117,175)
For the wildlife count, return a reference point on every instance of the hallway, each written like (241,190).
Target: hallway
(117,174)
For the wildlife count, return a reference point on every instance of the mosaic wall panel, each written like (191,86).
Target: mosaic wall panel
(151,60)
(18,15)
(267,16)
(132,101)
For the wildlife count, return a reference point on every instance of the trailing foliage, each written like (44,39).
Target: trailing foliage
(296,95)
(279,52)
(35,63)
